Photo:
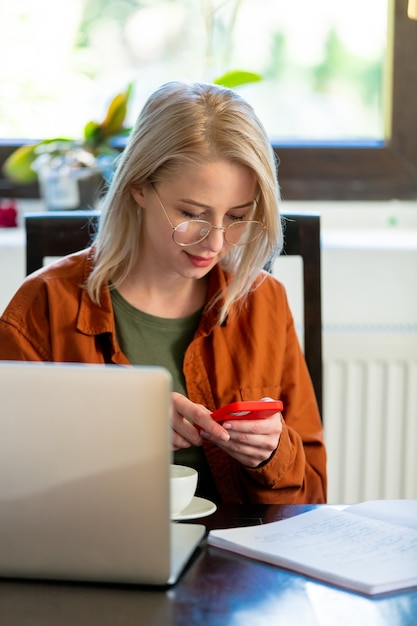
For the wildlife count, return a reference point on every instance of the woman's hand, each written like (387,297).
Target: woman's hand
(184,415)
(251,442)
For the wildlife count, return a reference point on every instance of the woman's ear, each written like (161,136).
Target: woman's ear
(138,194)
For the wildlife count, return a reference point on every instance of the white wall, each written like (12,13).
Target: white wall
(369,292)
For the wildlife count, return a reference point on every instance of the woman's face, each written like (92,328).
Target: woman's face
(220,192)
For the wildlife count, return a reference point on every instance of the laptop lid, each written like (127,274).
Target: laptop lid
(84,475)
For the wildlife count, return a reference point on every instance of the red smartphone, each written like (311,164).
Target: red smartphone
(247,410)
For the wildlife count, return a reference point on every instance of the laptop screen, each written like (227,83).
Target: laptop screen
(84,472)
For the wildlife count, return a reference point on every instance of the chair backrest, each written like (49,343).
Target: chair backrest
(302,238)
(59,233)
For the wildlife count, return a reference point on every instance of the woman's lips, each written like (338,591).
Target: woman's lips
(199,261)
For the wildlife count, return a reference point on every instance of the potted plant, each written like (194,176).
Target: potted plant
(71,171)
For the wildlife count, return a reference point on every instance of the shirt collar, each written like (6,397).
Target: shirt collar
(94,319)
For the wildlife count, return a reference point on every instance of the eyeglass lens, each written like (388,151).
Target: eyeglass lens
(237,234)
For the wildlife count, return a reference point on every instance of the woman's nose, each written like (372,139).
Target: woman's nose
(215,239)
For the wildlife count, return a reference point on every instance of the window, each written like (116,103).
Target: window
(380,162)
(367,173)
(321,68)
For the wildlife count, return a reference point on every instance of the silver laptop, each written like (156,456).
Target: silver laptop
(84,475)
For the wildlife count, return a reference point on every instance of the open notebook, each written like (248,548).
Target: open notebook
(84,475)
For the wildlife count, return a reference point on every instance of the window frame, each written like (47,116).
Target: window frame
(341,171)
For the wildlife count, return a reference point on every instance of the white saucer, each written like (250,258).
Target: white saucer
(198,507)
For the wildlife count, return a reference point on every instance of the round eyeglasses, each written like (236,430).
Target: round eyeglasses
(191,232)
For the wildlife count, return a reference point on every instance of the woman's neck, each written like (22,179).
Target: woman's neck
(162,296)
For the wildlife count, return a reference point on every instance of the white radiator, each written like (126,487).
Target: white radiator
(370,413)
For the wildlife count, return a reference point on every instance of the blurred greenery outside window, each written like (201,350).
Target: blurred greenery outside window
(322,74)
(325,66)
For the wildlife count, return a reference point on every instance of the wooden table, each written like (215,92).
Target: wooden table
(217,588)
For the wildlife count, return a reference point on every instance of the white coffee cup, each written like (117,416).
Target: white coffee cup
(183,483)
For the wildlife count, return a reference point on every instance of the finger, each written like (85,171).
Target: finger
(183,429)
(247,455)
(199,417)
(178,442)
(256,446)
(265,426)
(208,426)
(255,427)
(251,445)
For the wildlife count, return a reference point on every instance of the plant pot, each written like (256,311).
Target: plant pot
(70,189)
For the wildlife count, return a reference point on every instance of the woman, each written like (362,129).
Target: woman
(175,278)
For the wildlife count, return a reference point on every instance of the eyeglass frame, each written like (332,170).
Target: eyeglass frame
(224,229)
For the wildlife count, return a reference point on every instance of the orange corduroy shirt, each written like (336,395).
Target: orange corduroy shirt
(254,354)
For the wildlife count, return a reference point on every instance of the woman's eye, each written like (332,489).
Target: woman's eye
(236,218)
(189,216)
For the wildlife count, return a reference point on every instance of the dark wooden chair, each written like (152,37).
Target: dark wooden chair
(302,238)
(59,233)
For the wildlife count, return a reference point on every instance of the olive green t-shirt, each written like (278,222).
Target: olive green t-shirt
(149,340)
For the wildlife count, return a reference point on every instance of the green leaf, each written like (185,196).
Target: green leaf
(116,113)
(18,166)
(93,135)
(113,124)
(234,78)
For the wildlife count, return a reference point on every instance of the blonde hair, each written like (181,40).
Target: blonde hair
(186,124)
